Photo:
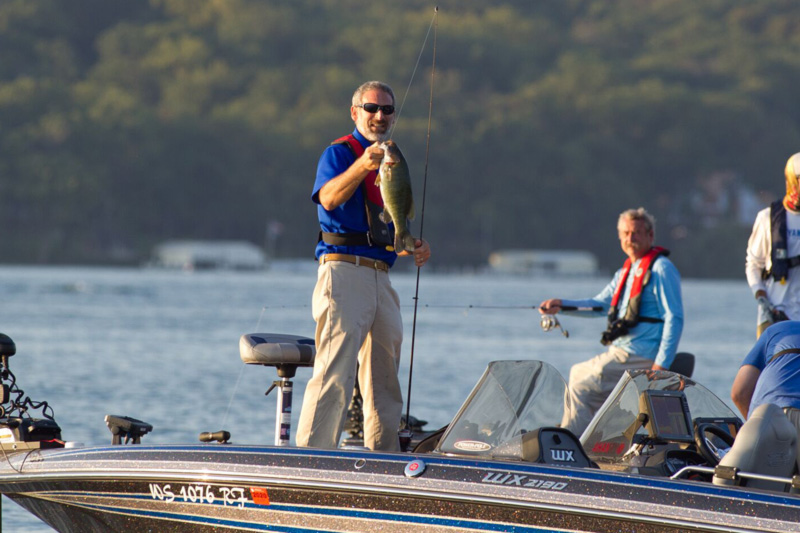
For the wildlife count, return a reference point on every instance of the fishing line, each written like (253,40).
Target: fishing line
(434,23)
(416,66)
(239,378)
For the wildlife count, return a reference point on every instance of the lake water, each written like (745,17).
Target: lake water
(162,346)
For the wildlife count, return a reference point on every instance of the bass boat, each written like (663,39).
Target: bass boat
(664,454)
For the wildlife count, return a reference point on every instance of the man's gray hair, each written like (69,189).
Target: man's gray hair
(371,86)
(638,214)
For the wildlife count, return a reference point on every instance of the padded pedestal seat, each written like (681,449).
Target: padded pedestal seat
(284,352)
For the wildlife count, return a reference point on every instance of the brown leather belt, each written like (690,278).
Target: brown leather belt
(356,260)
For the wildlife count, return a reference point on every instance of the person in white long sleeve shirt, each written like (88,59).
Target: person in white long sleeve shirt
(773,255)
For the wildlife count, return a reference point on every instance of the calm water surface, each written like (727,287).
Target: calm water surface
(162,346)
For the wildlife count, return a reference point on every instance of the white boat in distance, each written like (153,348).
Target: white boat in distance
(543,262)
(209,255)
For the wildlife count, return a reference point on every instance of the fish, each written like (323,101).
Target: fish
(394,181)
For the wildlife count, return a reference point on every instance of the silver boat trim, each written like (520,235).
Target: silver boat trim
(415,492)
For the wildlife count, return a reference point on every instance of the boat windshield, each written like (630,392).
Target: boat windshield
(618,423)
(511,399)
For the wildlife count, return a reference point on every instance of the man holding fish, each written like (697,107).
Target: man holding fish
(363,192)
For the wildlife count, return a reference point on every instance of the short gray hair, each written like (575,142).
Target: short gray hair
(371,86)
(638,214)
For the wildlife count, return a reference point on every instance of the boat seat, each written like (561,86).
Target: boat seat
(683,364)
(284,352)
(766,444)
(554,446)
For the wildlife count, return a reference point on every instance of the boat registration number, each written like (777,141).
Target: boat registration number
(227,496)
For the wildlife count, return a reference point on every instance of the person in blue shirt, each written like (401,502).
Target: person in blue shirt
(359,326)
(645,319)
(770,373)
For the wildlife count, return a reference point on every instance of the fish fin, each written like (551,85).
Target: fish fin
(404,241)
(410,242)
(378,179)
(385,217)
(411,211)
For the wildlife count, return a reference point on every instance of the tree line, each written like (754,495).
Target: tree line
(124,123)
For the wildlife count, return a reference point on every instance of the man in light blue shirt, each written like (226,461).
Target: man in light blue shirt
(645,314)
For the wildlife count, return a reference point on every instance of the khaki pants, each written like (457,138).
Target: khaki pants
(358,325)
(793,415)
(592,381)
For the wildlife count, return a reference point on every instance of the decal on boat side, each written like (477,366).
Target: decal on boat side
(616,448)
(472,446)
(504,478)
(227,496)
(565,456)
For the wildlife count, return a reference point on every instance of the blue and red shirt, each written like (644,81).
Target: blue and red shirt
(351,216)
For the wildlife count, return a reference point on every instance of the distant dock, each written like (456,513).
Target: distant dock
(208,255)
(560,263)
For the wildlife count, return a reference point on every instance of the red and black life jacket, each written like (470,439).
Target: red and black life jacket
(379,234)
(617,326)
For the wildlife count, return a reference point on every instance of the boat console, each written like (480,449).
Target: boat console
(666,415)
(654,423)
(671,423)
(554,446)
(514,413)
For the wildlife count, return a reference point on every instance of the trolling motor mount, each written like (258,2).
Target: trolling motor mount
(18,430)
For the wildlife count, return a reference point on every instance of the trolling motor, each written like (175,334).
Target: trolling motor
(18,431)
(127,428)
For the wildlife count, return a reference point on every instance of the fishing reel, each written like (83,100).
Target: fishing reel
(549,322)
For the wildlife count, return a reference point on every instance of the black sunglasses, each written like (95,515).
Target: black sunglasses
(373,108)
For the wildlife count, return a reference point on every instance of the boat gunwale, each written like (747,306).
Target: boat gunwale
(190,476)
(473,463)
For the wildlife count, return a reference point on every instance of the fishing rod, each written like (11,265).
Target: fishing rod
(585,309)
(454,306)
(405,434)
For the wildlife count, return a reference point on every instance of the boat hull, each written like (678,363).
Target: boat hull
(253,488)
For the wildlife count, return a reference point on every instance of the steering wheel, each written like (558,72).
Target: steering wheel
(705,445)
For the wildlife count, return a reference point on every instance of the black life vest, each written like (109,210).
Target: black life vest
(617,327)
(779,254)
(380,233)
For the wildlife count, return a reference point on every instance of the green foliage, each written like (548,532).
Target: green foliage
(127,122)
